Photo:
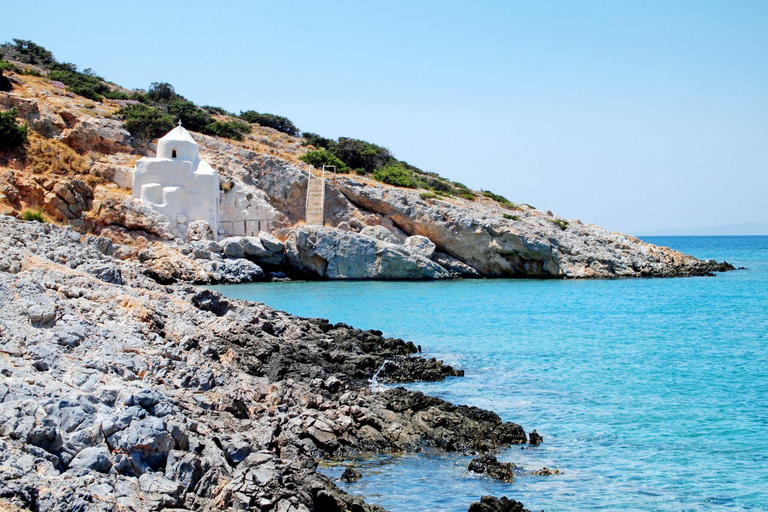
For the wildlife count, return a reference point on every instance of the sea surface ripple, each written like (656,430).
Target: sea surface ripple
(651,394)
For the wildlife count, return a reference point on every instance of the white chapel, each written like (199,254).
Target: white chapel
(177,183)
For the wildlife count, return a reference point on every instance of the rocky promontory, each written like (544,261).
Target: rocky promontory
(120,392)
(77,169)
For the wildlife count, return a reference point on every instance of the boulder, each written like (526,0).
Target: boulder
(494,504)
(95,458)
(380,233)
(98,134)
(335,254)
(421,245)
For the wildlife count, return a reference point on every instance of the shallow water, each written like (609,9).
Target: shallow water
(651,394)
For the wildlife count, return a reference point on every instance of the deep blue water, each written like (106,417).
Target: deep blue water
(651,394)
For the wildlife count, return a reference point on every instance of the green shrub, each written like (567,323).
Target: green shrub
(323,157)
(161,92)
(429,195)
(191,116)
(562,224)
(529,206)
(88,86)
(279,123)
(313,139)
(496,197)
(29,215)
(5,83)
(12,135)
(228,129)
(217,110)
(468,195)
(146,122)
(395,174)
(28,53)
(359,154)
(510,217)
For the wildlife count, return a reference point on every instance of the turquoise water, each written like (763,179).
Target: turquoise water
(651,395)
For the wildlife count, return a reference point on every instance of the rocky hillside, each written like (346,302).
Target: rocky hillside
(121,394)
(77,169)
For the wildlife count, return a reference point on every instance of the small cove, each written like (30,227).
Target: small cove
(650,394)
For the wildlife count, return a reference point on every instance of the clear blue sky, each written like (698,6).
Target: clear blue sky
(635,115)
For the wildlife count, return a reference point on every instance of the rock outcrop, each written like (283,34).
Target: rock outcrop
(119,392)
(335,254)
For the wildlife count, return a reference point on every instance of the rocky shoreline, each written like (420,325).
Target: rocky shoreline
(122,392)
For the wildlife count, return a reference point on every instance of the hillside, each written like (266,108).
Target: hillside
(385,219)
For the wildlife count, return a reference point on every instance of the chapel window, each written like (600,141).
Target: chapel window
(173,154)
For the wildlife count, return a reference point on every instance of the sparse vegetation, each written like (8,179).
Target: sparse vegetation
(503,201)
(561,223)
(323,157)
(228,129)
(28,53)
(5,82)
(12,134)
(146,122)
(395,174)
(510,217)
(429,195)
(34,216)
(53,156)
(279,123)
(313,139)
(469,196)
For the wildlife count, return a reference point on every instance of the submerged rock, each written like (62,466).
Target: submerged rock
(490,466)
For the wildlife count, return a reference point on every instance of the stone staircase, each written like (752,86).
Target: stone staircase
(315,197)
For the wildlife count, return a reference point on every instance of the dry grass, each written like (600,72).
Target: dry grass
(50,156)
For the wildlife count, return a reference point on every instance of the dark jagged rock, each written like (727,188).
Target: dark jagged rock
(351,475)
(494,504)
(534,439)
(136,395)
(490,466)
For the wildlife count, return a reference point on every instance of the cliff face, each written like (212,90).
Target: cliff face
(78,171)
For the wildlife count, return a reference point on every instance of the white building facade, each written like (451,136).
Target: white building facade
(178,184)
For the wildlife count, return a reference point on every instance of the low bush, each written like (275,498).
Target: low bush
(28,53)
(29,215)
(496,197)
(395,174)
(161,92)
(323,157)
(562,224)
(12,134)
(313,139)
(228,129)
(5,82)
(359,154)
(146,122)
(191,116)
(468,195)
(279,123)
(510,217)
(216,110)
(85,84)
(429,195)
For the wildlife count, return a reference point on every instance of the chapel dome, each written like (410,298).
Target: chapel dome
(177,144)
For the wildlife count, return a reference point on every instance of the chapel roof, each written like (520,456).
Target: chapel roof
(178,134)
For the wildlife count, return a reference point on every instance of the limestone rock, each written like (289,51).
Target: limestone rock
(380,233)
(335,254)
(421,245)
(98,134)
